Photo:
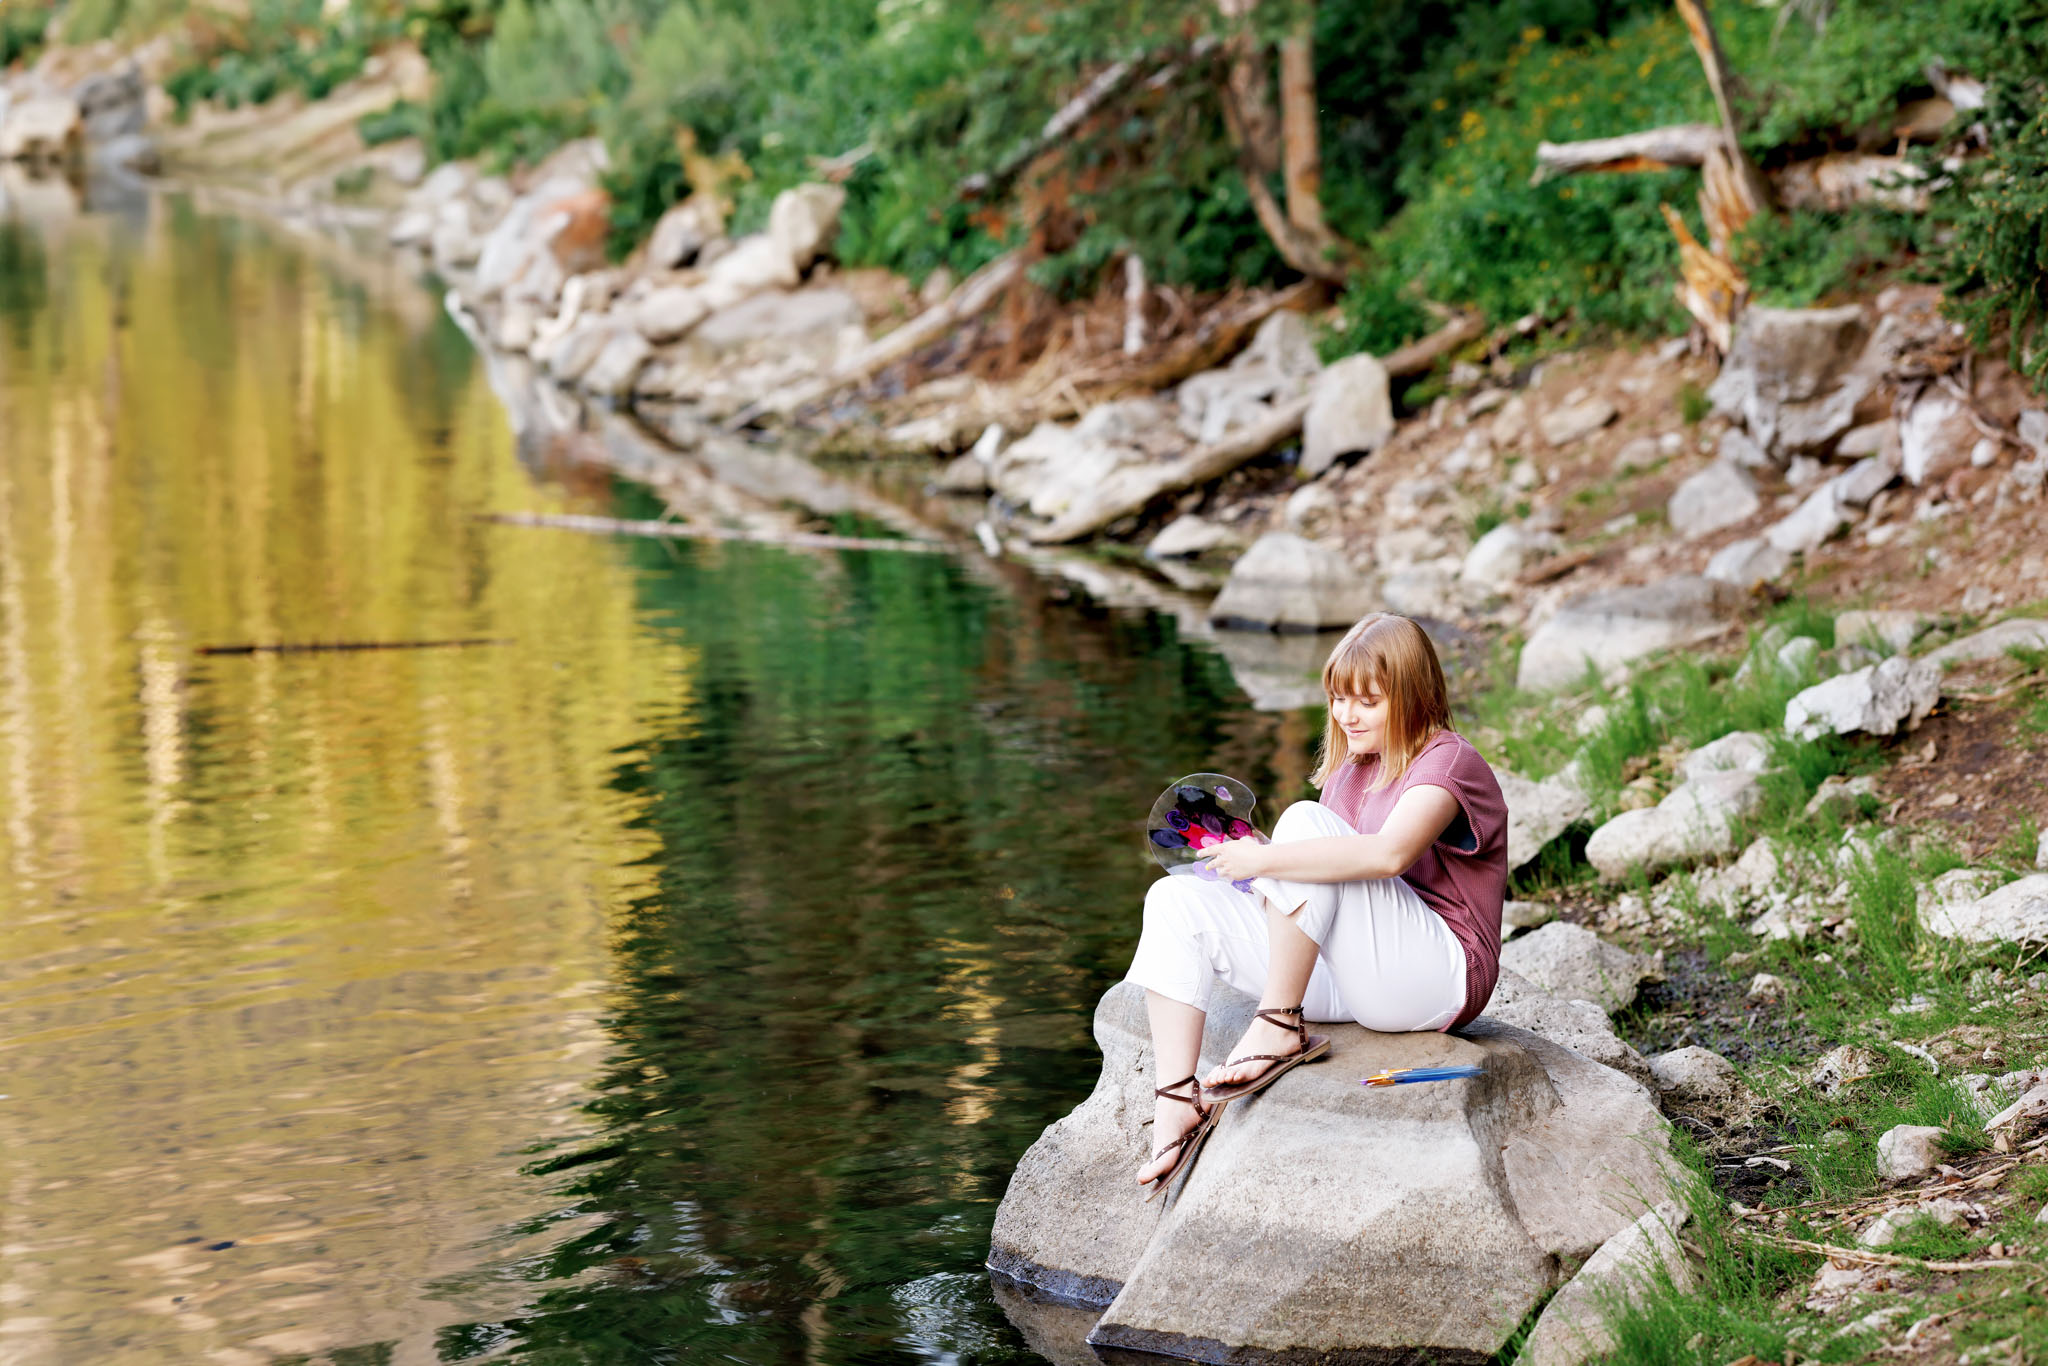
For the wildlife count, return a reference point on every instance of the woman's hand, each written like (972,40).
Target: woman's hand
(1239,859)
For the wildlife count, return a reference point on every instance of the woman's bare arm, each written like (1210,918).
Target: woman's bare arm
(1417,821)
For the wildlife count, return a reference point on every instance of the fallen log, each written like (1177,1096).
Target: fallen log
(969,299)
(680,531)
(1653,149)
(1131,490)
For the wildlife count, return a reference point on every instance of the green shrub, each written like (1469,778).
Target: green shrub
(22,24)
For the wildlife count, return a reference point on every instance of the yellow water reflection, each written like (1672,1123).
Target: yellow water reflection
(299,952)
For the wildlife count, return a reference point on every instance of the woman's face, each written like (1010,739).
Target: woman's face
(1363,719)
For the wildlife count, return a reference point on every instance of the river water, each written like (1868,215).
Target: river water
(675,977)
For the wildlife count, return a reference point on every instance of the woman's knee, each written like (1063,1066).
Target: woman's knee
(1306,820)
(1167,904)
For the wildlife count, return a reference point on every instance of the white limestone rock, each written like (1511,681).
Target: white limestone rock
(1575,422)
(1815,522)
(1959,907)
(1696,821)
(1614,627)
(670,312)
(1286,582)
(1907,1151)
(1189,535)
(1571,962)
(1935,438)
(1700,1079)
(803,220)
(1350,412)
(1499,558)
(1718,496)
(2027,633)
(1742,751)
(1538,812)
(1794,377)
(1875,700)
(612,371)
(683,231)
(1647,1259)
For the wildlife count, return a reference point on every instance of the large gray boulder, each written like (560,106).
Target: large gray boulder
(1350,411)
(1538,812)
(1958,907)
(1638,1262)
(1875,700)
(1053,467)
(1696,821)
(1323,1218)
(1718,496)
(1795,376)
(1289,583)
(1614,627)
(1574,964)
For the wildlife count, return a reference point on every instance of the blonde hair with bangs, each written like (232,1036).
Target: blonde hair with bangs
(1388,656)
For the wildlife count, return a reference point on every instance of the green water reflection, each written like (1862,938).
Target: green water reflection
(677,981)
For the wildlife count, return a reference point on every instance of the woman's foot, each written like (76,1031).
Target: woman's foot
(1173,1117)
(1264,1037)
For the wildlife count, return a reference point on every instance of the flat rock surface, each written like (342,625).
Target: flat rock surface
(1323,1217)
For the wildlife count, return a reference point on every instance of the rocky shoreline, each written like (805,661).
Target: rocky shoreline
(1834,518)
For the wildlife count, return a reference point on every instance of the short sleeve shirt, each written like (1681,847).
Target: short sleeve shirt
(1463,876)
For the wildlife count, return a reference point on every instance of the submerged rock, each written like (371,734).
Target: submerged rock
(1287,582)
(1325,1218)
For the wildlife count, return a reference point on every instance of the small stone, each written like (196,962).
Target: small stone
(1891,631)
(1839,1067)
(1748,564)
(1813,524)
(1765,987)
(1984,454)
(1575,422)
(1699,1078)
(1876,700)
(1907,1151)
(1516,916)
(1639,453)
(1841,795)
(1718,496)
(1188,535)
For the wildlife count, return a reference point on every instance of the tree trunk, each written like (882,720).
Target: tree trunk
(1300,142)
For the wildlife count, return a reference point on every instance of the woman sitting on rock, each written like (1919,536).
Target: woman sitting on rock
(1379,902)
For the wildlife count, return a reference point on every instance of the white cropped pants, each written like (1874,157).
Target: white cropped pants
(1384,958)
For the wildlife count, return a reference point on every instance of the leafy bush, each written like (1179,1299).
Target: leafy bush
(285,45)
(22,24)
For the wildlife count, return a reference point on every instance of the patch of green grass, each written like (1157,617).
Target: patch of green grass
(1693,405)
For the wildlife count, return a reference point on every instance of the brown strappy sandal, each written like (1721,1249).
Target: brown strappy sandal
(1313,1046)
(1188,1142)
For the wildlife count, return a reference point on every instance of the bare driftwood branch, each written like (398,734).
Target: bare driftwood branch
(1158,69)
(1706,44)
(973,295)
(1653,149)
(1131,490)
(681,531)
(345,646)
(1869,1258)
(1134,304)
